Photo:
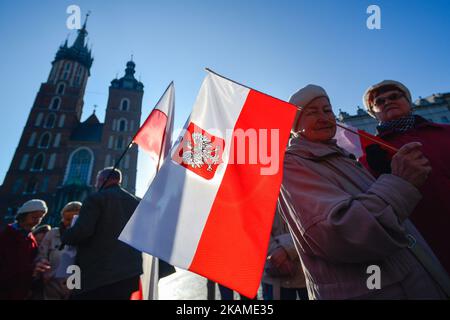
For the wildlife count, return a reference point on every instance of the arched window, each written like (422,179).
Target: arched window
(54,105)
(44,141)
(125,104)
(123,125)
(80,167)
(50,121)
(60,88)
(38,162)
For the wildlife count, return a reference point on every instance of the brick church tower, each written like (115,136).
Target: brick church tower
(58,156)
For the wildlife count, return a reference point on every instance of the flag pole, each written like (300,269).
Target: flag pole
(300,108)
(116,164)
(130,144)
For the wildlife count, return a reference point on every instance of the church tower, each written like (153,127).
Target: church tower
(122,120)
(38,165)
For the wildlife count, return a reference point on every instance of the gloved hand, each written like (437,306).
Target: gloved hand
(378,159)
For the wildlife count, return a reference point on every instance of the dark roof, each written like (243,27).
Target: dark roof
(128,81)
(78,51)
(89,130)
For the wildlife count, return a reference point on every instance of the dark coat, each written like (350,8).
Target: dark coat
(102,258)
(17,254)
(432,215)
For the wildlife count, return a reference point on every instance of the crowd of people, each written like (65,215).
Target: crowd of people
(336,216)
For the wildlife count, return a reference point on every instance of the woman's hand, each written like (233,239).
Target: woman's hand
(41,266)
(410,164)
(279,264)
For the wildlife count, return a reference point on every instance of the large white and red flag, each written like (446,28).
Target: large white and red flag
(210,208)
(155,137)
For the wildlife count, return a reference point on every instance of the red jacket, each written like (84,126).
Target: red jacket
(17,254)
(432,214)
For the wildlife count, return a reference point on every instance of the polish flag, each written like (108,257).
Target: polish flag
(205,211)
(155,137)
(356,141)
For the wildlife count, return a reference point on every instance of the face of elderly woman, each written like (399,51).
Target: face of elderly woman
(31,220)
(391,105)
(317,121)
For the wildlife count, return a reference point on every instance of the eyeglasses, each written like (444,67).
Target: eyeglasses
(379,102)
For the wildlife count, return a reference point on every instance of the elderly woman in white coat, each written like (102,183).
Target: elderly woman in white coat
(346,224)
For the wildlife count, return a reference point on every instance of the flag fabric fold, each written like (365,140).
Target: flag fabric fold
(205,211)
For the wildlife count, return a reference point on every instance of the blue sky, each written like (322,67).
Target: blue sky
(273,46)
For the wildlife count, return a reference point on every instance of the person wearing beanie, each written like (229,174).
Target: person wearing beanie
(390,103)
(344,221)
(18,250)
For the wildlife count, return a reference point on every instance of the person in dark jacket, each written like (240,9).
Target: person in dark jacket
(18,250)
(110,269)
(391,104)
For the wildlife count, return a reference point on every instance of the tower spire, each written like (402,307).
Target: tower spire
(82,33)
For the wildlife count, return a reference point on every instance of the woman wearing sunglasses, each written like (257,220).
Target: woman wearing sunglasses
(390,103)
(351,230)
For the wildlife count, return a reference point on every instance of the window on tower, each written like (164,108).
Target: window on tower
(32,186)
(60,88)
(39,118)
(80,166)
(54,105)
(32,139)
(17,186)
(119,143)
(50,121)
(44,141)
(38,162)
(123,125)
(78,75)
(24,162)
(125,104)
(66,70)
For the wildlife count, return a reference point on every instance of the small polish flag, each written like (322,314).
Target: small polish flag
(356,141)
